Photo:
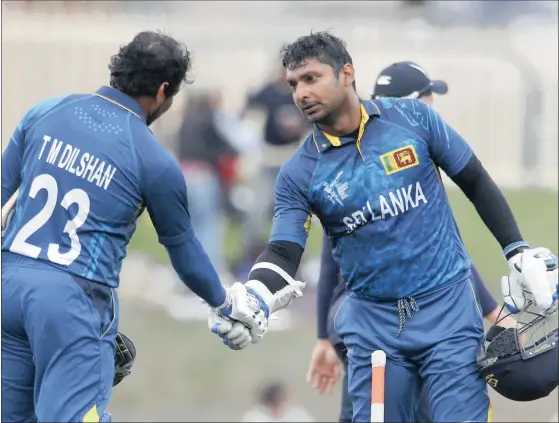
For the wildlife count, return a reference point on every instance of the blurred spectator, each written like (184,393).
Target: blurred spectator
(284,128)
(274,406)
(414,3)
(208,161)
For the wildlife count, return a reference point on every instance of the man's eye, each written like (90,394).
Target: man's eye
(310,78)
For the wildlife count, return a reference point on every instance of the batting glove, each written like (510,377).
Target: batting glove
(247,307)
(234,334)
(535,271)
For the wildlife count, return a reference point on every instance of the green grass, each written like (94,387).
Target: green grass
(536,212)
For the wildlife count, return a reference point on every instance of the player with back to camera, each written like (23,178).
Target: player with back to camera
(402,80)
(369,172)
(87,166)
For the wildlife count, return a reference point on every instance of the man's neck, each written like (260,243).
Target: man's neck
(347,120)
(145,103)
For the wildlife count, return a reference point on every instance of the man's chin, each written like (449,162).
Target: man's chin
(316,117)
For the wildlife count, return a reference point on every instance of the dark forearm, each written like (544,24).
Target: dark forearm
(278,257)
(489,202)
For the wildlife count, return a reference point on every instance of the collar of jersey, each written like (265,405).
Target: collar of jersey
(121,100)
(324,141)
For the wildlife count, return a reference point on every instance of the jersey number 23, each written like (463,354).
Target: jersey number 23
(78,196)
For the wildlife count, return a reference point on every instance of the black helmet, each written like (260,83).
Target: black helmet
(125,354)
(522,363)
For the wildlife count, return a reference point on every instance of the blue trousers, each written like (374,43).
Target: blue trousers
(346,408)
(58,335)
(437,349)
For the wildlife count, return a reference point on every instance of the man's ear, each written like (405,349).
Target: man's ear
(348,74)
(160,97)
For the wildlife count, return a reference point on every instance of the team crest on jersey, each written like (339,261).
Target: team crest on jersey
(399,159)
(336,191)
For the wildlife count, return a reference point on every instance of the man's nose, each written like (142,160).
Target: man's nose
(302,94)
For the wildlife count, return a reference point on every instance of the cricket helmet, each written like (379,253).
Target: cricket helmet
(406,80)
(522,363)
(125,354)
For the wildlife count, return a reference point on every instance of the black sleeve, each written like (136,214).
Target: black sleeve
(329,274)
(489,202)
(284,254)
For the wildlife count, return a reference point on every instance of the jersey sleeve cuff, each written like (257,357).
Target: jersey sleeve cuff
(460,163)
(510,250)
(288,238)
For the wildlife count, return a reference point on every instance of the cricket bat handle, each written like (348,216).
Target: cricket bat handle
(378,364)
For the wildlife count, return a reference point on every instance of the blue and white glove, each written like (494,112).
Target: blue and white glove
(251,304)
(244,306)
(234,334)
(535,271)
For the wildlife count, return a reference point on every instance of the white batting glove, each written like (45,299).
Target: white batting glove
(252,304)
(533,270)
(246,306)
(234,334)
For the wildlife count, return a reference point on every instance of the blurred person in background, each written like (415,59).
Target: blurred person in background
(274,406)
(404,80)
(284,127)
(208,160)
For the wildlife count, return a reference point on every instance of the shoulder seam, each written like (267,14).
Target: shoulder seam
(133,150)
(145,181)
(310,155)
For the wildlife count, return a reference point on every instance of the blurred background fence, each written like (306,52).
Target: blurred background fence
(503,81)
(499,58)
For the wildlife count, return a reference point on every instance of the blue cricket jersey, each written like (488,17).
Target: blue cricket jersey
(86,167)
(380,199)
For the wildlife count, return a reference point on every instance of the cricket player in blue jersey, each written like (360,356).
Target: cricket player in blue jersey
(403,80)
(329,351)
(86,167)
(369,172)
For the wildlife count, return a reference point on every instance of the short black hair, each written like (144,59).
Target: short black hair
(149,60)
(321,46)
